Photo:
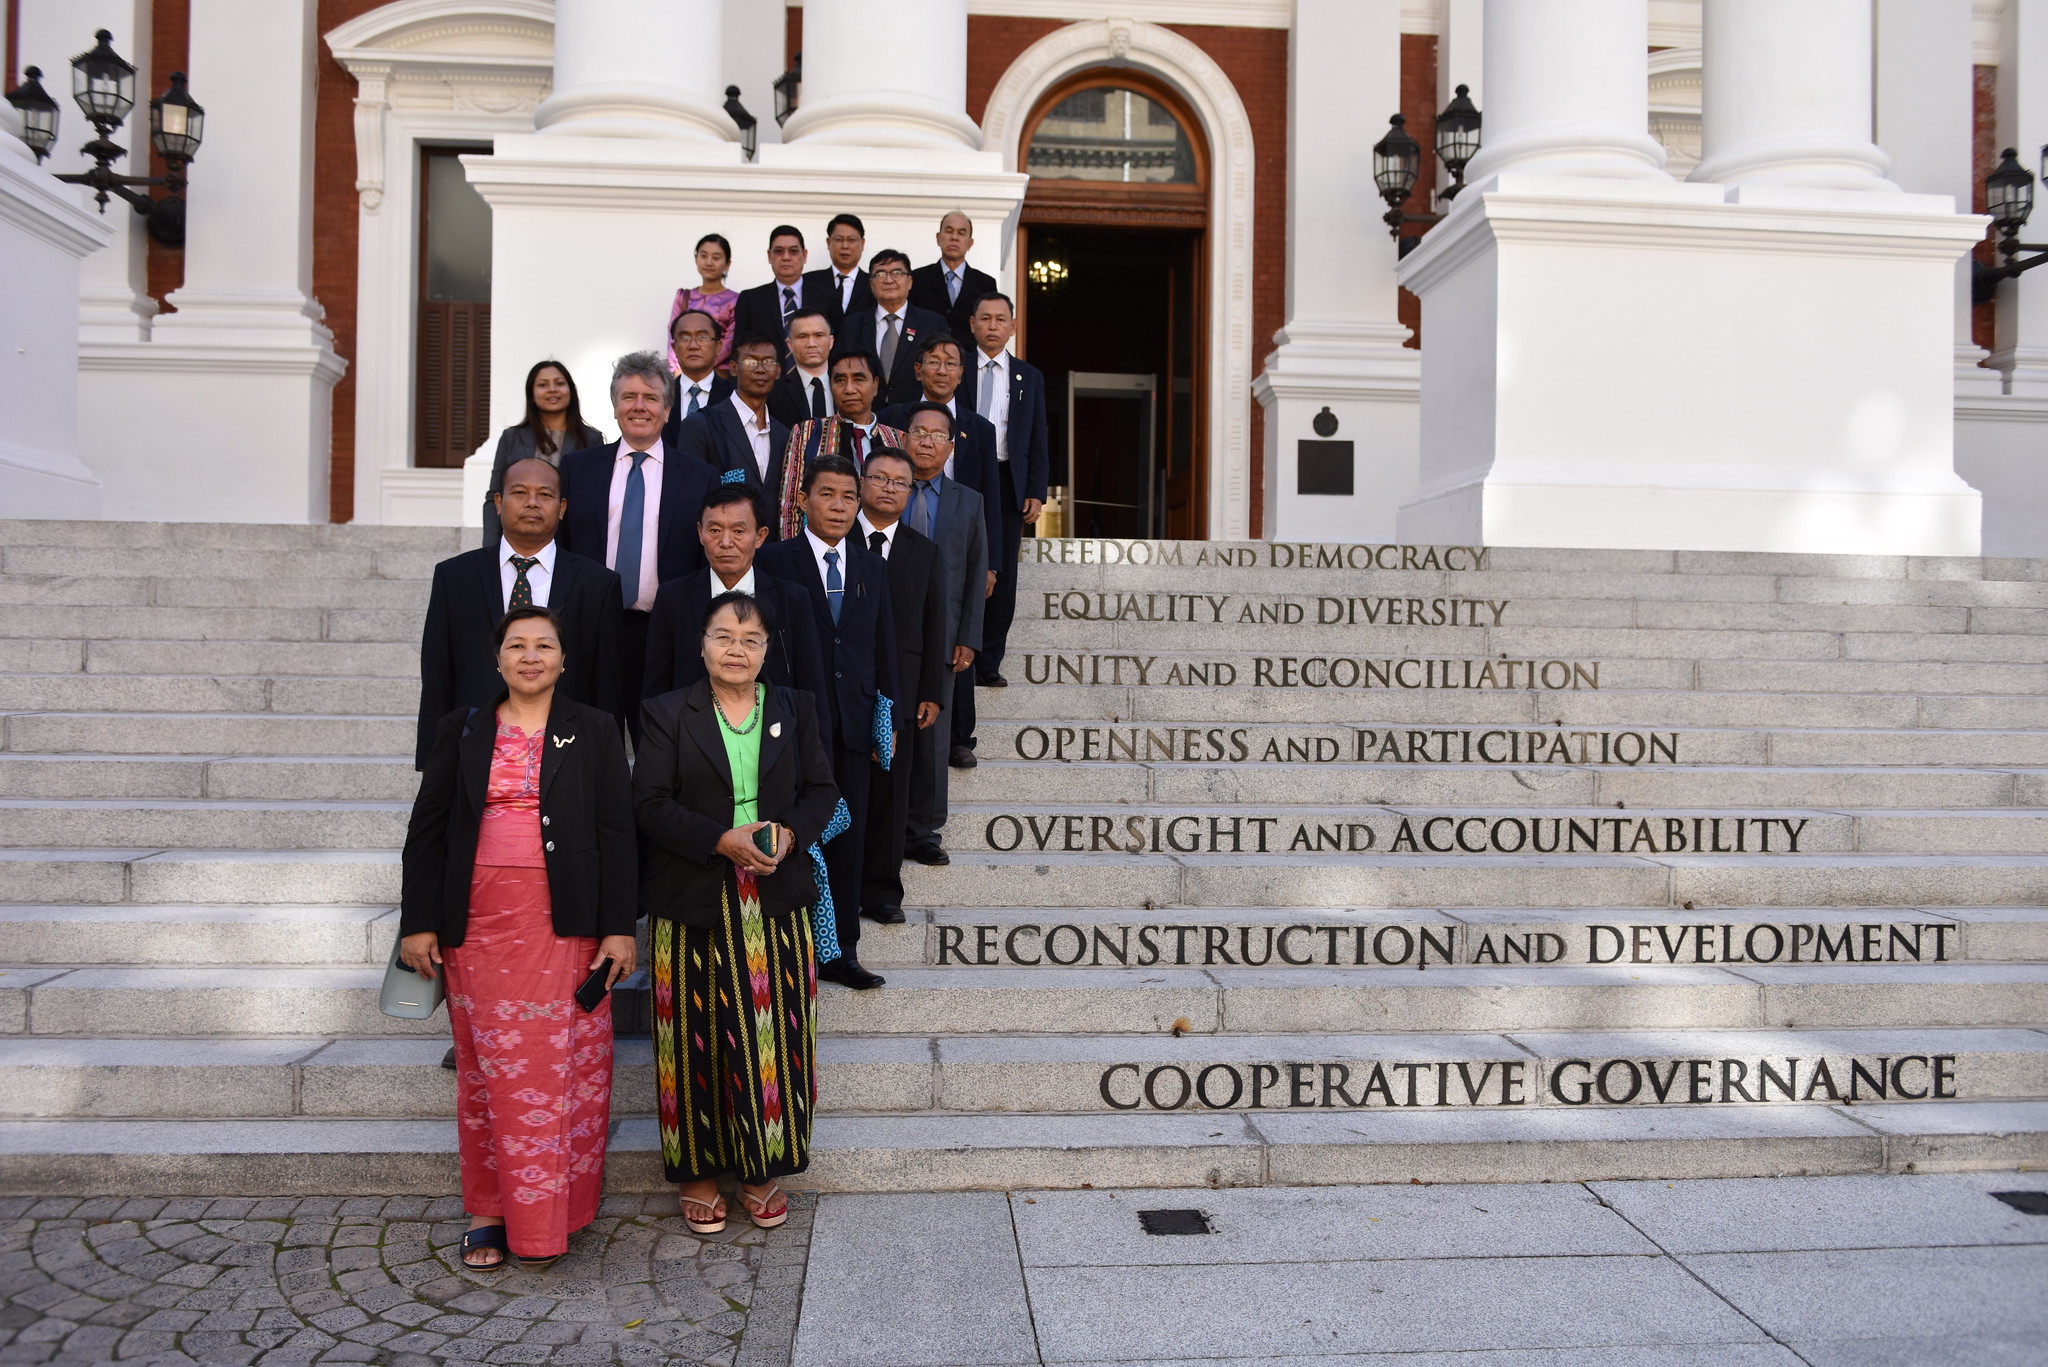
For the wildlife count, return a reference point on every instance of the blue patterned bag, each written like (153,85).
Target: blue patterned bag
(824,920)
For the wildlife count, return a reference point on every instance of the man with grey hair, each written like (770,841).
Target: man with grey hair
(633,505)
(949,286)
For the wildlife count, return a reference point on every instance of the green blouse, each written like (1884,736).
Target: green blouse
(743,754)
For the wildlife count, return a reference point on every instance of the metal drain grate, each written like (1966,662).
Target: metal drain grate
(2027,1202)
(1174,1222)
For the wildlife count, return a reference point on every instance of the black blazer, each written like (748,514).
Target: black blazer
(587,485)
(716,438)
(928,291)
(459,664)
(675,632)
(1030,464)
(678,403)
(789,403)
(819,285)
(516,443)
(974,457)
(917,591)
(858,329)
(760,309)
(860,649)
(586,813)
(682,796)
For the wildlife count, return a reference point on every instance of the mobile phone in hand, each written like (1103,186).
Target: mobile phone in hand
(591,995)
(768,838)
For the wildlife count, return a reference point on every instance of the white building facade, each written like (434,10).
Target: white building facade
(1708,284)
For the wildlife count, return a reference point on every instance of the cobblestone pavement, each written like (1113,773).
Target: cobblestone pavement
(300,1279)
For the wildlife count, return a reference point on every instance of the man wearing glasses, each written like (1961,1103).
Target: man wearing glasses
(891,327)
(843,286)
(740,434)
(769,308)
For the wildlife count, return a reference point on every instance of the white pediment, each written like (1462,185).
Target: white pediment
(454,32)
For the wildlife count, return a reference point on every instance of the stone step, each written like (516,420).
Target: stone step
(1732,881)
(204,824)
(344,1156)
(240,536)
(213,592)
(266,659)
(1325,937)
(207,877)
(1339,835)
(214,693)
(1079,1074)
(315,779)
(237,1000)
(125,933)
(1013,784)
(257,734)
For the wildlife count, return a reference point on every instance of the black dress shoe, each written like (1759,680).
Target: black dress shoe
(962,758)
(448,1059)
(932,855)
(888,916)
(993,681)
(847,972)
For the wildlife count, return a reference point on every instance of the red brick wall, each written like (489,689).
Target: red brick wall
(993,42)
(170,43)
(1984,317)
(334,244)
(1418,104)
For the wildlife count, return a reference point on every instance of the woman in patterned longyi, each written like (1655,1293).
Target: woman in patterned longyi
(732,787)
(520,877)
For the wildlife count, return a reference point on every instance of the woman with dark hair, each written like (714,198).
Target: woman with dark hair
(733,790)
(714,259)
(520,879)
(552,427)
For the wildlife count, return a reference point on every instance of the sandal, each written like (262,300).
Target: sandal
(767,1210)
(714,1211)
(489,1238)
(527,1264)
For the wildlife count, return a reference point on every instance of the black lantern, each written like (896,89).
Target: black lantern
(750,136)
(2009,199)
(786,89)
(103,83)
(1457,138)
(1396,161)
(176,123)
(38,112)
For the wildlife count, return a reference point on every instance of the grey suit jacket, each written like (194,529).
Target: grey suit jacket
(963,562)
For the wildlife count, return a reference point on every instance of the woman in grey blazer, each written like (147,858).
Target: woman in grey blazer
(553,424)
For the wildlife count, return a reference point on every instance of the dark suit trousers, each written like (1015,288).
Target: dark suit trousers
(1001,609)
(632,665)
(881,872)
(929,777)
(844,853)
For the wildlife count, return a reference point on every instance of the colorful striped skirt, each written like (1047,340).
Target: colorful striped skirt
(533,1096)
(735,1040)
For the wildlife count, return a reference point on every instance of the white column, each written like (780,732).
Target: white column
(1567,91)
(752,44)
(113,291)
(884,73)
(1785,95)
(1341,349)
(2021,348)
(1925,124)
(628,69)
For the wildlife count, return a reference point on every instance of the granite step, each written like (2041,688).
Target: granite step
(50,590)
(347,1156)
(235,1000)
(128,933)
(1079,1074)
(206,877)
(202,823)
(321,778)
(298,696)
(258,734)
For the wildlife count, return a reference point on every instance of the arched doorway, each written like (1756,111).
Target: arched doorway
(1113,299)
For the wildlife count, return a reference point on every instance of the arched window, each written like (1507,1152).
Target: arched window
(1112,133)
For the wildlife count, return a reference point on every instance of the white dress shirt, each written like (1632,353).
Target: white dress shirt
(818,549)
(868,529)
(845,285)
(1001,397)
(882,330)
(538,577)
(746,584)
(825,383)
(703,387)
(757,435)
(638,596)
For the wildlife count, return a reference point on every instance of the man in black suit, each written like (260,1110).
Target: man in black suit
(730,533)
(694,337)
(633,507)
(768,308)
(849,589)
(918,591)
(740,434)
(891,327)
(949,286)
(938,369)
(805,387)
(843,287)
(1010,393)
(950,513)
(527,565)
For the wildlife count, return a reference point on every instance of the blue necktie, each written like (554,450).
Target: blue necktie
(696,400)
(835,587)
(953,287)
(632,524)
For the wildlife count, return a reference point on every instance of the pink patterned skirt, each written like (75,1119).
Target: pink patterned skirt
(533,1069)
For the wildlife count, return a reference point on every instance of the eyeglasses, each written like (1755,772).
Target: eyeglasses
(930,435)
(725,640)
(887,483)
(759,362)
(889,273)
